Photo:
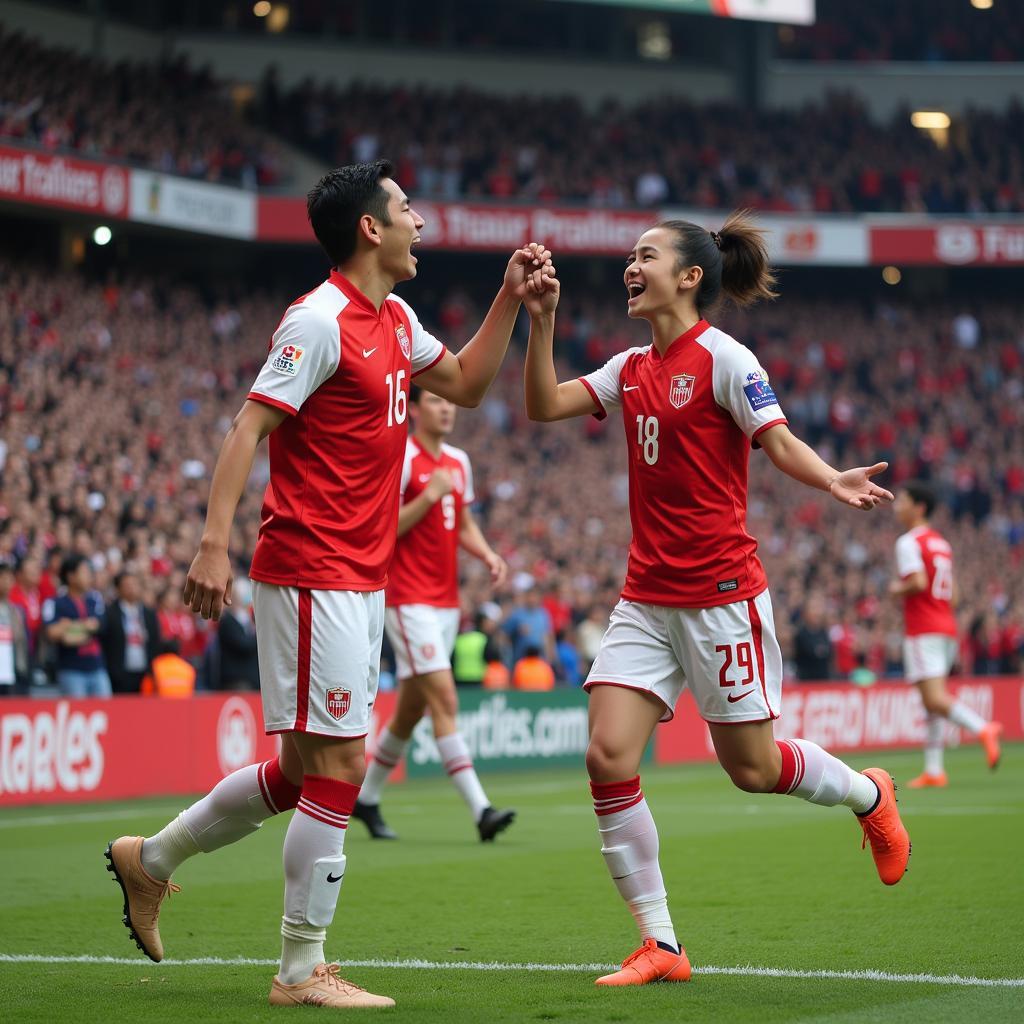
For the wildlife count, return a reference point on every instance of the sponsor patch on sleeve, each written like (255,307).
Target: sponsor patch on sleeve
(758,391)
(286,362)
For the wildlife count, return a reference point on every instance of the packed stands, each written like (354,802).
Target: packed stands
(114,398)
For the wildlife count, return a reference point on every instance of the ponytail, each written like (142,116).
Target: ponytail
(734,260)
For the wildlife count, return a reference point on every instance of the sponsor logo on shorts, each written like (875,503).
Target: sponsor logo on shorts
(338,701)
(287,361)
(726,585)
(428,651)
(680,391)
(732,698)
(403,340)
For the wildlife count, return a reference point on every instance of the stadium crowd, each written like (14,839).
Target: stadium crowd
(465,143)
(166,116)
(113,399)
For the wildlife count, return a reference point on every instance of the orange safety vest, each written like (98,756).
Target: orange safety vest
(495,676)
(172,676)
(533,674)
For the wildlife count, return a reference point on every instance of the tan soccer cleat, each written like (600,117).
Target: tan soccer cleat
(324,987)
(143,894)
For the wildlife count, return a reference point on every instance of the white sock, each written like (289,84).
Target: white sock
(933,748)
(629,844)
(814,775)
(960,714)
(459,766)
(233,809)
(386,754)
(314,865)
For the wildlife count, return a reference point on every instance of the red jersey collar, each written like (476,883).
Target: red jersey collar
(351,292)
(423,450)
(683,340)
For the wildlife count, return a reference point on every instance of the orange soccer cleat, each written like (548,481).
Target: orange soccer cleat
(325,987)
(928,781)
(648,964)
(989,737)
(890,844)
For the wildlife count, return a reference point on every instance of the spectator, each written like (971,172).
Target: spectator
(236,633)
(568,660)
(130,635)
(14,660)
(178,626)
(474,650)
(812,646)
(528,625)
(28,595)
(532,672)
(73,620)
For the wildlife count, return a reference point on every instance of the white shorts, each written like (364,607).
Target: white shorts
(423,637)
(728,656)
(319,656)
(928,656)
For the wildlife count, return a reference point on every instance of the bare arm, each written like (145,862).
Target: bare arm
(413,511)
(208,585)
(465,378)
(472,539)
(912,584)
(796,459)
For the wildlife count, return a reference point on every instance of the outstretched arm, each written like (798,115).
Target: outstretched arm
(465,378)
(796,459)
(208,585)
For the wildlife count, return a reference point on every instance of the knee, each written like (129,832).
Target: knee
(753,778)
(604,762)
(937,705)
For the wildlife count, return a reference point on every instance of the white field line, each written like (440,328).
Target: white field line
(79,816)
(747,971)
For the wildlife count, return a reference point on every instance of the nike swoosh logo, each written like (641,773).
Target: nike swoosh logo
(732,698)
(367,354)
(630,387)
(334,878)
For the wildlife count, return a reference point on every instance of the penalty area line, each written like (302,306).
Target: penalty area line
(746,971)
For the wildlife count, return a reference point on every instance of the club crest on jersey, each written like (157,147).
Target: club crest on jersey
(287,360)
(338,702)
(680,391)
(758,391)
(403,340)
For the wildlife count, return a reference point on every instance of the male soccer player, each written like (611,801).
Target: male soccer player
(422,617)
(333,398)
(924,563)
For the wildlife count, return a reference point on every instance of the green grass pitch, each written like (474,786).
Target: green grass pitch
(759,881)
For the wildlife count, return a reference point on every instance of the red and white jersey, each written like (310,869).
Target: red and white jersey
(425,569)
(341,370)
(930,610)
(690,418)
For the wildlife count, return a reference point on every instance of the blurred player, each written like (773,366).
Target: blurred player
(924,564)
(422,616)
(695,610)
(333,398)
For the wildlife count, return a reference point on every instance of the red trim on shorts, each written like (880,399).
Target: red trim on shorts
(405,640)
(313,732)
(305,653)
(600,413)
(738,721)
(627,686)
(430,366)
(255,396)
(756,634)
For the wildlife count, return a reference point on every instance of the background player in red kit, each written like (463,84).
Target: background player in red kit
(422,616)
(333,398)
(695,610)
(924,564)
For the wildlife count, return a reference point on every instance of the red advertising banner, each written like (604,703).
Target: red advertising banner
(846,717)
(950,244)
(47,179)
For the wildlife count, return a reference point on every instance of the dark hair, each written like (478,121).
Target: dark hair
(337,201)
(734,260)
(70,565)
(922,493)
(121,576)
(414,393)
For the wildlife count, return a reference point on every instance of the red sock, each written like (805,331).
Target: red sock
(328,800)
(610,797)
(278,793)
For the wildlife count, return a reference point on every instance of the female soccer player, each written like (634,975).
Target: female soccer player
(695,610)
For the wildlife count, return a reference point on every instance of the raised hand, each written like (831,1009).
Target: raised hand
(532,262)
(542,292)
(440,484)
(854,487)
